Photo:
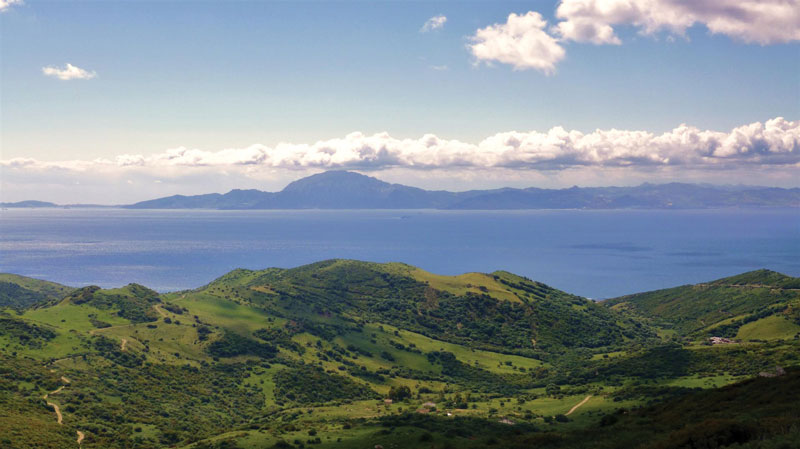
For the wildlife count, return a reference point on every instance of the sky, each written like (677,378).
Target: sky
(118,101)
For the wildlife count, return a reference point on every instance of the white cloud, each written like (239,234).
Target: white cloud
(752,21)
(773,142)
(6,4)
(434,23)
(525,41)
(69,72)
(766,153)
(521,42)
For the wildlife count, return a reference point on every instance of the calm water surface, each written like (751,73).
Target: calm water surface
(592,253)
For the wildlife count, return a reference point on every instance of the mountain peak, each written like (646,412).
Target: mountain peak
(334,179)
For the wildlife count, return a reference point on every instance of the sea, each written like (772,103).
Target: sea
(594,253)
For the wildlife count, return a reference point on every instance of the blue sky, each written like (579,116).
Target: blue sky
(209,76)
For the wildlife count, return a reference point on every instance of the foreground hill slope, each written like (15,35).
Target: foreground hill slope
(728,307)
(20,292)
(756,413)
(498,311)
(343,354)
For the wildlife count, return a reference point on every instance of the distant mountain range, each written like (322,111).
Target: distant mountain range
(349,190)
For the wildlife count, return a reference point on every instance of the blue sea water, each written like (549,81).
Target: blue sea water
(597,254)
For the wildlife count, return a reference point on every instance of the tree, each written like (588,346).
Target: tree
(399,393)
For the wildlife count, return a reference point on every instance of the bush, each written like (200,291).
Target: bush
(231,345)
(399,393)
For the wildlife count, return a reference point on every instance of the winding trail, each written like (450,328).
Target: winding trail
(59,418)
(160,312)
(577,406)
(57,409)
(124,342)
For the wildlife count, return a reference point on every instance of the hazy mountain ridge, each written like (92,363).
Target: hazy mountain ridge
(350,190)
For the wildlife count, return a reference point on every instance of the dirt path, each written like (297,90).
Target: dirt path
(53,404)
(585,400)
(57,409)
(124,342)
(160,312)
(59,418)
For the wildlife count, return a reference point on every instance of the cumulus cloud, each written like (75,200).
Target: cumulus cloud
(773,142)
(521,42)
(752,21)
(434,23)
(69,72)
(6,4)
(526,42)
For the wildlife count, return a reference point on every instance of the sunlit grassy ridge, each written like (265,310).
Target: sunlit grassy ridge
(307,356)
(20,292)
(720,307)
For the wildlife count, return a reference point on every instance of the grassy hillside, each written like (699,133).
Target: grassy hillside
(723,307)
(757,413)
(498,311)
(20,292)
(310,356)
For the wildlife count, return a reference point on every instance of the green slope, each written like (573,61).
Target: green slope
(498,311)
(718,308)
(757,413)
(256,358)
(20,292)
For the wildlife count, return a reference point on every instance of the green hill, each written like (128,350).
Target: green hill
(757,413)
(20,292)
(310,356)
(499,311)
(760,304)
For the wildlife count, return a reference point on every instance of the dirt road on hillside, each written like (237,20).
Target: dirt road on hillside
(578,405)
(160,312)
(59,418)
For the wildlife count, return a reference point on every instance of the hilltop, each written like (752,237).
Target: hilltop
(349,354)
(760,304)
(350,190)
(20,292)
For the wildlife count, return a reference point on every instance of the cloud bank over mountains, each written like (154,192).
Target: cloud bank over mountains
(773,142)
(528,42)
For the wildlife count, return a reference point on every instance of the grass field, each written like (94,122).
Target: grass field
(773,327)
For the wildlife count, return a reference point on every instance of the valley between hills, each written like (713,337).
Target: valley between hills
(350,354)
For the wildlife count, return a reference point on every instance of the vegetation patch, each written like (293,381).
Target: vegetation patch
(232,344)
(308,384)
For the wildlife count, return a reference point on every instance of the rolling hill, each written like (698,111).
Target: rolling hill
(341,353)
(749,304)
(20,292)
